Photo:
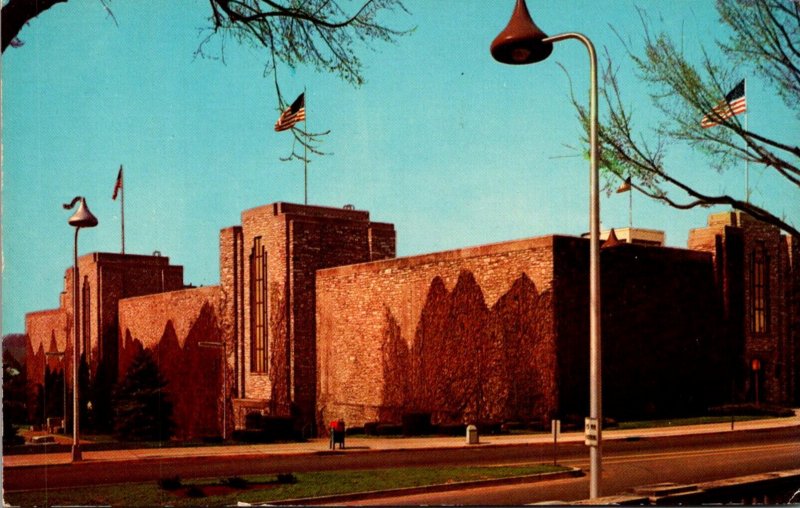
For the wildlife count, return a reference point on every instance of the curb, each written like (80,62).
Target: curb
(232,454)
(443,487)
(307,453)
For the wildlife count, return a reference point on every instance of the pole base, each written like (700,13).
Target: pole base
(76,453)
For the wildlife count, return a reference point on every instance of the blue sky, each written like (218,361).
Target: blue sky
(450,146)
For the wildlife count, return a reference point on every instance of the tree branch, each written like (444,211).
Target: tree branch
(16,13)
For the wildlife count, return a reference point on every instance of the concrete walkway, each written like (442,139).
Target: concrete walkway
(368,444)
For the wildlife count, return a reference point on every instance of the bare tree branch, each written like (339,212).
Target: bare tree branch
(16,13)
(764,36)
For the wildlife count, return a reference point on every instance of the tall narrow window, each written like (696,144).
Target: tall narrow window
(258,307)
(759,290)
(86,318)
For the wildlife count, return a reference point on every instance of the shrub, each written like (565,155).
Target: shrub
(284,478)
(371,428)
(266,429)
(235,482)
(385,429)
(489,427)
(417,424)
(451,429)
(169,483)
(352,431)
(141,408)
(195,491)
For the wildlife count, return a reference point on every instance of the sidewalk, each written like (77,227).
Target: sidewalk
(371,444)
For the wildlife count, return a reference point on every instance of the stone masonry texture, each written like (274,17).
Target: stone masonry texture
(176,326)
(500,333)
(104,279)
(486,334)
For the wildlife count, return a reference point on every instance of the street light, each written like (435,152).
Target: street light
(59,354)
(522,42)
(82,218)
(224,348)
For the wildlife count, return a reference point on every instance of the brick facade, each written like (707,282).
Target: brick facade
(320,321)
(763,356)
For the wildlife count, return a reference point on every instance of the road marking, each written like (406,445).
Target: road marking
(634,457)
(686,454)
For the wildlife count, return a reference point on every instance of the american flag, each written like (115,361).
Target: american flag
(293,114)
(735,103)
(118,184)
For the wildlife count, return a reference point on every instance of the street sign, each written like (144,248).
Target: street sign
(592,429)
(555,428)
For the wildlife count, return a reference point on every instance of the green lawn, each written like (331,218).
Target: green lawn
(266,488)
(675,422)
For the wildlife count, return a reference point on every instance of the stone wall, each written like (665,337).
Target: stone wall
(734,238)
(47,331)
(489,333)
(661,351)
(500,332)
(231,283)
(464,335)
(172,325)
(297,240)
(104,278)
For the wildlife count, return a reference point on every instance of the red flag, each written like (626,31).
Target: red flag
(626,186)
(293,114)
(118,185)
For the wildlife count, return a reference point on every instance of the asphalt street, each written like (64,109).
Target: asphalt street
(625,468)
(629,460)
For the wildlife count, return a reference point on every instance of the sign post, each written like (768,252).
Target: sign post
(591,431)
(555,427)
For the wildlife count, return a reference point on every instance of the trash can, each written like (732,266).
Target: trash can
(472,434)
(337,429)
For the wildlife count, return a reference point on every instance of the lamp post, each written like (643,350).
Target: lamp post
(522,42)
(59,354)
(82,218)
(221,345)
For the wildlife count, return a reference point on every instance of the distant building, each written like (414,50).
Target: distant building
(638,236)
(320,321)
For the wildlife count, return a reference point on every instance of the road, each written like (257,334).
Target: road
(626,469)
(635,462)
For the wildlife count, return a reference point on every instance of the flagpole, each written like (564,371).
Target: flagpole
(122,204)
(305,149)
(630,210)
(746,158)
(289,119)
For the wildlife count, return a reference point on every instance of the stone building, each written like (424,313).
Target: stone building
(104,280)
(758,280)
(315,319)
(500,333)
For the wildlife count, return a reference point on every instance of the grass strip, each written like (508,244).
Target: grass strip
(677,422)
(265,488)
